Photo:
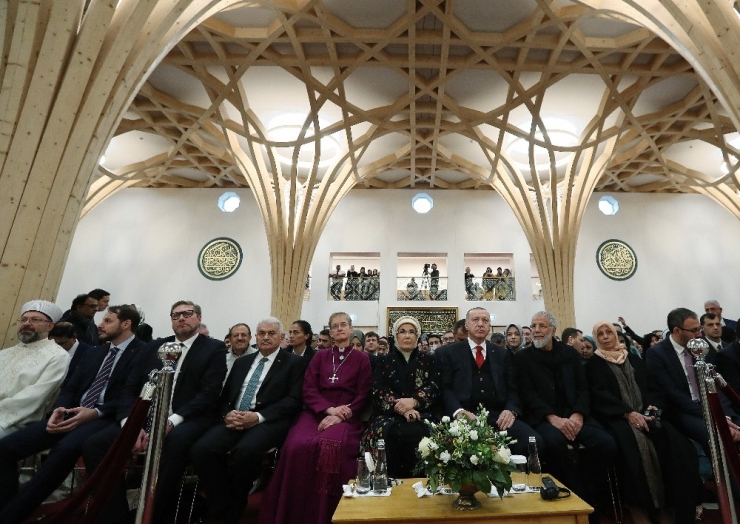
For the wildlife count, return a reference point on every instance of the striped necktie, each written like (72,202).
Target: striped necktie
(91,397)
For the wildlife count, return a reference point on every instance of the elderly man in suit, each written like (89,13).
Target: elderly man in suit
(199,374)
(87,405)
(474,372)
(673,377)
(261,398)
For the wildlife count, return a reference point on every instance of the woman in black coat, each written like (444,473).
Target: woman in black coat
(658,467)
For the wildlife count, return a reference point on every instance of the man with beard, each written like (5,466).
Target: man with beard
(199,375)
(324,339)
(554,391)
(32,370)
(87,404)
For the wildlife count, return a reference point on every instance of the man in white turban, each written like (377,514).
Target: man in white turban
(32,371)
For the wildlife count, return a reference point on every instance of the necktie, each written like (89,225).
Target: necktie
(91,397)
(252,386)
(479,356)
(691,372)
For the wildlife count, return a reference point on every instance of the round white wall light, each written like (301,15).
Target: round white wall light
(228,202)
(608,205)
(422,203)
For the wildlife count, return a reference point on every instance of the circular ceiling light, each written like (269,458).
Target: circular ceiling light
(608,205)
(422,203)
(228,202)
(287,128)
(561,133)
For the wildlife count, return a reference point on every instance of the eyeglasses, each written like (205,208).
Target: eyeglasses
(340,325)
(409,332)
(33,320)
(694,331)
(185,314)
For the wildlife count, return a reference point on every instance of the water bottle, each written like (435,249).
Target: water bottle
(534,469)
(380,476)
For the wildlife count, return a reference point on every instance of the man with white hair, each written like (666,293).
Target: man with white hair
(32,370)
(712,306)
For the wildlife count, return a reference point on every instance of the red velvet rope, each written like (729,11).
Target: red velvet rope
(731,453)
(101,483)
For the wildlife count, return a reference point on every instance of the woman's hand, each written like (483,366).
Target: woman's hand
(638,420)
(412,416)
(328,421)
(404,405)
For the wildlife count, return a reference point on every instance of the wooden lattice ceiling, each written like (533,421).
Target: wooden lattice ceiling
(424,94)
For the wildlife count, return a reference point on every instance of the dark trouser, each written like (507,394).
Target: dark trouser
(521,432)
(65,450)
(588,479)
(401,441)
(228,462)
(172,465)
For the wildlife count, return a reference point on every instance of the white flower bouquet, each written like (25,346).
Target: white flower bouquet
(464,452)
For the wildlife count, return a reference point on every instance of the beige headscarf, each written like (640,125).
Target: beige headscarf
(617,354)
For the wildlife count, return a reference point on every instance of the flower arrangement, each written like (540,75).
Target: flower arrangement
(463,451)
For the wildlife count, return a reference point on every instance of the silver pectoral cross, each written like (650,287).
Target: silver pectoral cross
(333,378)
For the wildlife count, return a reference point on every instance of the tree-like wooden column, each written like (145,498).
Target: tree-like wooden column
(67,74)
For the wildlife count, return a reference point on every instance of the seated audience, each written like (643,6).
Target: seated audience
(199,376)
(324,339)
(300,335)
(63,333)
(527,332)
(86,406)
(382,346)
(657,467)
(406,384)
(258,404)
(371,343)
(460,330)
(588,348)
(320,451)
(554,393)
(448,338)
(476,360)
(434,341)
(103,298)
(712,329)
(32,370)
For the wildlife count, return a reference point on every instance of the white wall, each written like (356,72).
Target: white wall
(142,245)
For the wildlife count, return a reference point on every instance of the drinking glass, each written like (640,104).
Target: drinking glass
(363,482)
(520,461)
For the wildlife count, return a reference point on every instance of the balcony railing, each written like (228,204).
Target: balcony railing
(421,288)
(354,288)
(490,288)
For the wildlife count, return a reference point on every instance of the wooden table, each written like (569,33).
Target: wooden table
(403,506)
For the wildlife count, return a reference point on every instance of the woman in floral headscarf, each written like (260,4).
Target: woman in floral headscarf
(659,467)
(406,383)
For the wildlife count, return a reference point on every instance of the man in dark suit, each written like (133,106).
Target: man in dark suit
(555,398)
(81,315)
(261,398)
(474,372)
(673,377)
(728,365)
(712,306)
(711,326)
(199,374)
(63,333)
(87,405)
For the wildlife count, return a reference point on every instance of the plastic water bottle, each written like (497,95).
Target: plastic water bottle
(380,476)
(534,469)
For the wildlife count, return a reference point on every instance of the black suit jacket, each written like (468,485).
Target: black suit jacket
(198,384)
(728,365)
(537,384)
(279,397)
(79,356)
(668,380)
(87,370)
(457,377)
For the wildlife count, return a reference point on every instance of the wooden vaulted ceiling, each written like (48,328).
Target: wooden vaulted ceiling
(424,94)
